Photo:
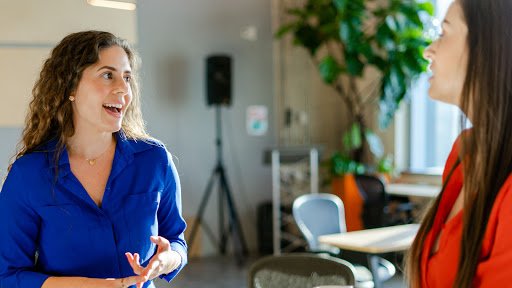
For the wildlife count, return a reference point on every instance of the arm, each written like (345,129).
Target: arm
(171,223)
(171,255)
(495,267)
(19,229)
(82,282)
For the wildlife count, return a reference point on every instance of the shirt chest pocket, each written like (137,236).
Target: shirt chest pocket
(140,215)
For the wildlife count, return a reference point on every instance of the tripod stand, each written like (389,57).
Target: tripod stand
(240,247)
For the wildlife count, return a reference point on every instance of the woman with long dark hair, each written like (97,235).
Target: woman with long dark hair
(91,199)
(464,239)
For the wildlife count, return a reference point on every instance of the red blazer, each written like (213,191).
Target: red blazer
(495,261)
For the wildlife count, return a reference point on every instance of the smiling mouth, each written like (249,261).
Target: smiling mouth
(114,109)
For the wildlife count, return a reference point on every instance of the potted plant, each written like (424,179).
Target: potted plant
(347,39)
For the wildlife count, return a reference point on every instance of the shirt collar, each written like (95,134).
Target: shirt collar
(125,149)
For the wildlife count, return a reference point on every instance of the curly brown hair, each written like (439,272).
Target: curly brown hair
(50,113)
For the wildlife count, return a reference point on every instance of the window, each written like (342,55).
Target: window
(433,125)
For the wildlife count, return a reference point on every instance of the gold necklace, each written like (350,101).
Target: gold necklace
(92,161)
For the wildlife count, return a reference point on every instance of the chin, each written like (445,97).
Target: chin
(442,98)
(113,128)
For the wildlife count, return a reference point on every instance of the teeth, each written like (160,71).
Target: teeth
(118,106)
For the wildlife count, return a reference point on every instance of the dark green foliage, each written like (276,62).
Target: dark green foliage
(385,35)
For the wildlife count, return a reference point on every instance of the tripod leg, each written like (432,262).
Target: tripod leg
(234,220)
(222,233)
(200,212)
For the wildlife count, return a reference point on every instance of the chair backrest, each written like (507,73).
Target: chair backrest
(300,270)
(374,192)
(318,214)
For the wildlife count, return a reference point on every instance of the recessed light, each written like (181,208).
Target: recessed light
(113,4)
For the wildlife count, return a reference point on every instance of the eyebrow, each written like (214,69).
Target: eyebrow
(446,21)
(112,68)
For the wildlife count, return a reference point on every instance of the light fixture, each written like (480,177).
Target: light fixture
(113,4)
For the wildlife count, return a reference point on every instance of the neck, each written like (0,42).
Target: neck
(89,146)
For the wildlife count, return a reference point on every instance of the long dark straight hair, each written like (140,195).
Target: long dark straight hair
(486,150)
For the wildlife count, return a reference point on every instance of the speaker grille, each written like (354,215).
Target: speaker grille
(218,80)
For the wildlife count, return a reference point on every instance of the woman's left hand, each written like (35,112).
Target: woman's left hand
(164,261)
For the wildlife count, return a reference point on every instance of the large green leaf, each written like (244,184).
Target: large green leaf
(427,6)
(385,36)
(379,62)
(366,49)
(308,37)
(354,65)
(385,164)
(411,15)
(352,138)
(329,69)
(285,29)
(340,5)
(374,143)
(345,32)
(393,93)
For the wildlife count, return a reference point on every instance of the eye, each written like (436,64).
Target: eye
(107,75)
(128,78)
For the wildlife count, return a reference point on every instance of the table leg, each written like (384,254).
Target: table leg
(373,262)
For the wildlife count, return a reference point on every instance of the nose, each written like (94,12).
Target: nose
(429,52)
(121,87)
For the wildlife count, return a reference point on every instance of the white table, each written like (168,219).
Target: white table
(413,190)
(373,242)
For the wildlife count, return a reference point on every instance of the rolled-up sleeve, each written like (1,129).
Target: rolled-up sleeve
(19,228)
(171,223)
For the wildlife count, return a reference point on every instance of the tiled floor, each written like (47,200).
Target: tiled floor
(222,272)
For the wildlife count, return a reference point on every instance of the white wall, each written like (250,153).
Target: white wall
(174,38)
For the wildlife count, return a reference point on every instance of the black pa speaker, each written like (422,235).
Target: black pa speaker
(218,80)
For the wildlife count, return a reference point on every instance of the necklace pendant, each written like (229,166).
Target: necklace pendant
(91,161)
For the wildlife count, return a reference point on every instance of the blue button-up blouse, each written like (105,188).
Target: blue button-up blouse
(50,214)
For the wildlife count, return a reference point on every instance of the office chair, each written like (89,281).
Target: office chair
(322,214)
(377,211)
(300,270)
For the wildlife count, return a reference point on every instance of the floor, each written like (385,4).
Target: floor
(222,271)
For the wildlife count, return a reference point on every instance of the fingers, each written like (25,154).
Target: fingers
(161,242)
(152,270)
(155,266)
(134,261)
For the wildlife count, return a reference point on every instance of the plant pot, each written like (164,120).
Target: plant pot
(345,187)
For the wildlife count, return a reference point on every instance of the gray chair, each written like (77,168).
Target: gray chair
(321,214)
(300,270)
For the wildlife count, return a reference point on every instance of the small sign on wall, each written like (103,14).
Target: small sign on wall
(257,120)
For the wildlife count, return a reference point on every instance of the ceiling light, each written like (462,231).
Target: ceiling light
(112,4)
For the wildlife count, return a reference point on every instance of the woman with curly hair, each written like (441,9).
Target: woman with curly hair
(464,238)
(91,199)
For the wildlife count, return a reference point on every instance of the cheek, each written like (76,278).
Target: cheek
(128,99)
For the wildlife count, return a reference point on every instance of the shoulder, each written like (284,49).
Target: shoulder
(150,148)
(498,232)
(34,161)
(504,198)
(28,174)
(501,213)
